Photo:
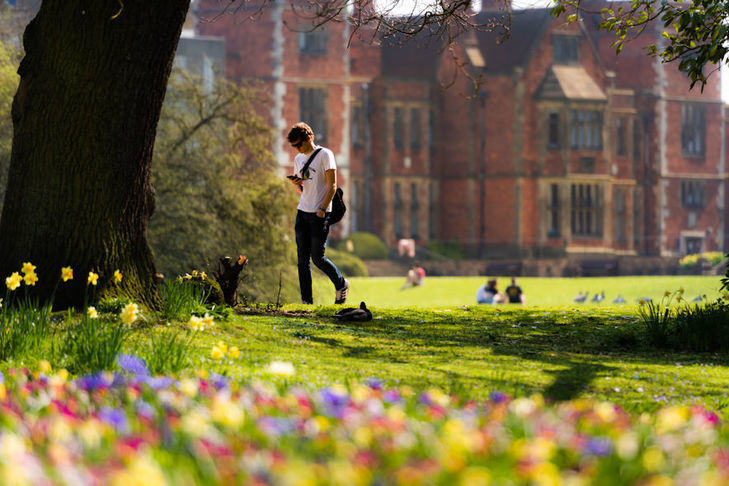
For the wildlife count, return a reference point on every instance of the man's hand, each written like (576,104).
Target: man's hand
(295,180)
(321,214)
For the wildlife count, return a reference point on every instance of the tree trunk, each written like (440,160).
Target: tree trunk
(85,116)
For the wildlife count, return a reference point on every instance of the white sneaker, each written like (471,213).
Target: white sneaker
(341,294)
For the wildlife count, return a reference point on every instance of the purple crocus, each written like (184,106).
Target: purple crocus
(219,381)
(498,397)
(374,383)
(90,382)
(116,418)
(599,446)
(334,402)
(391,396)
(132,364)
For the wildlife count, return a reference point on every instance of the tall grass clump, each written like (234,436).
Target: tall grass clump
(657,320)
(167,353)
(23,326)
(92,344)
(181,298)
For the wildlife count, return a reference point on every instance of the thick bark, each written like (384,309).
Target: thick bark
(85,117)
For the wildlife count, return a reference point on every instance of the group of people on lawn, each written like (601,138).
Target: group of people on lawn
(489,293)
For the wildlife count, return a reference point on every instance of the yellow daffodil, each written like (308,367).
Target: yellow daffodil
(208,320)
(93,278)
(13,281)
(194,273)
(117,276)
(66,274)
(641,302)
(30,278)
(233,352)
(203,275)
(28,268)
(679,298)
(667,293)
(196,323)
(223,347)
(44,366)
(216,353)
(130,313)
(91,312)
(680,291)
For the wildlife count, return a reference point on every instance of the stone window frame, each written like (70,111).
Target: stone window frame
(621,136)
(586,209)
(553,129)
(585,128)
(693,129)
(414,210)
(566,48)
(357,125)
(416,138)
(314,111)
(554,208)
(313,42)
(398,128)
(693,194)
(621,215)
(397,214)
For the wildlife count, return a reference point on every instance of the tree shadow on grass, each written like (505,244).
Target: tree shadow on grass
(570,381)
(572,346)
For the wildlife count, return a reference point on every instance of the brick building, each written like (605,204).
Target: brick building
(563,149)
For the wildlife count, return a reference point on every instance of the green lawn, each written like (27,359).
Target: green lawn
(553,292)
(562,354)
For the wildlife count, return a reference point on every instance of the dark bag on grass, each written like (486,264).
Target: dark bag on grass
(338,206)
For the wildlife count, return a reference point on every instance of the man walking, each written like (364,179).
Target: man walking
(315,176)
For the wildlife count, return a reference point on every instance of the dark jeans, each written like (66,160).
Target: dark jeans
(311,239)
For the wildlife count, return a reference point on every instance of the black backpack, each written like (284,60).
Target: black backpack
(338,206)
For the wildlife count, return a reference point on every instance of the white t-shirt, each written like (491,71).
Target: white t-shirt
(315,185)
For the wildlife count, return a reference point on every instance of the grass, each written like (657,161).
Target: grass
(561,354)
(560,351)
(551,292)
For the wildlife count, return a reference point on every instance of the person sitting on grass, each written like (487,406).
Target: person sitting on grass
(415,277)
(513,291)
(489,294)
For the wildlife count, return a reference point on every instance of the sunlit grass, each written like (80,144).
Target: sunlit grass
(553,292)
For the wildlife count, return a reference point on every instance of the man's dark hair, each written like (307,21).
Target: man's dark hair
(299,132)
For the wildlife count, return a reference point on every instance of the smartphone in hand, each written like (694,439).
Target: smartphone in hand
(292,177)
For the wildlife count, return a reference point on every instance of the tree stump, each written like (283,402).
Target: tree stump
(227,275)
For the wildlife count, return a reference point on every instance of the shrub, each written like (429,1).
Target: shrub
(449,249)
(703,327)
(366,246)
(691,262)
(348,264)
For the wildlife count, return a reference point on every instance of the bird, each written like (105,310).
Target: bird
(581,297)
(619,300)
(358,314)
(599,297)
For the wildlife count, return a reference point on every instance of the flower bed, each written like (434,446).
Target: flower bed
(133,428)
